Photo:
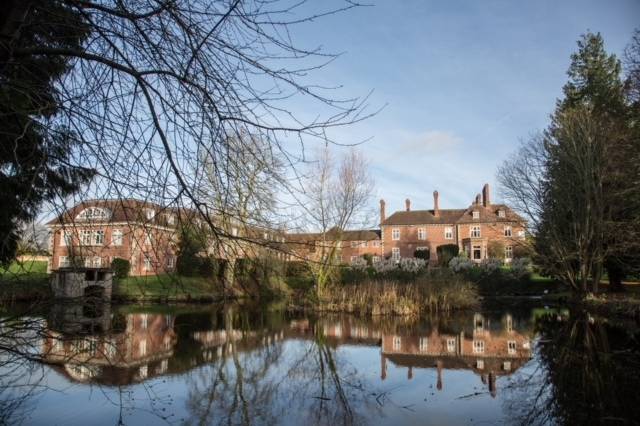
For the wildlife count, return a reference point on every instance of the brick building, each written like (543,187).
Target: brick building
(351,245)
(95,232)
(472,229)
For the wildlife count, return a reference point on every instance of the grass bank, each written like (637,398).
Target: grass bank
(167,288)
(426,293)
(24,281)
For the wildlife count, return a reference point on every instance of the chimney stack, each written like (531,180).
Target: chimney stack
(407,204)
(478,199)
(486,198)
(436,204)
(383,215)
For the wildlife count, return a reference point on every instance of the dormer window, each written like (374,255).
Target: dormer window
(94,213)
(149,213)
(476,214)
(501,213)
(171,218)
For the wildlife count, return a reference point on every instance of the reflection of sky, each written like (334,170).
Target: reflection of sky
(287,389)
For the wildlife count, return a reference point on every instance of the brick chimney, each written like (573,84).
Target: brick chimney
(478,199)
(486,197)
(436,204)
(383,215)
(407,204)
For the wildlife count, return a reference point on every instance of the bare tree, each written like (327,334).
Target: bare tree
(336,199)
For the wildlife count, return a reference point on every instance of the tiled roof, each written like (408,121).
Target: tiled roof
(126,210)
(453,216)
(419,217)
(355,235)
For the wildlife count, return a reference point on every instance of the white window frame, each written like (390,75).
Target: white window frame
(375,259)
(501,213)
(148,238)
(397,343)
(476,214)
(395,234)
(375,243)
(98,237)
(65,238)
(422,233)
(85,237)
(512,347)
(448,233)
(149,214)
(395,253)
(146,263)
(508,252)
(117,237)
(63,262)
(91,213)
(423,344)
(171,219)
(508,231)
(476,231)
(478,346)
(451,345)
(96,262)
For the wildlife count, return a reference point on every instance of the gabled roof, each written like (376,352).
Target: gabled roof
(489,214)
(348,235)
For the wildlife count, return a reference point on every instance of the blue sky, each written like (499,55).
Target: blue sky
(464,82)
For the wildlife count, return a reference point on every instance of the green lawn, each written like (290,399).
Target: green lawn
(167,286)
(24,280)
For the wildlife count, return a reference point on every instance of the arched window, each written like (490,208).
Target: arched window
(94,213)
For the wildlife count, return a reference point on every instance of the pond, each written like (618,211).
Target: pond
(99,364)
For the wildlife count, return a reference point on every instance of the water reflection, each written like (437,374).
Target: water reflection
(241,365)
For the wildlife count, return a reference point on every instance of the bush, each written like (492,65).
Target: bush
(495,249)
(460,264)
(491,265)
(446,252)
(121,267)
(520,267)
(423,254)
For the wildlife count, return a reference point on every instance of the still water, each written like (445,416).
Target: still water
(108,365)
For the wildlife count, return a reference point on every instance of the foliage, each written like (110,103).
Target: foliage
(461,263)
(446,252)
(35,154)
(121,267)
(495,249)
(423,254)
(192,260)
(490,265)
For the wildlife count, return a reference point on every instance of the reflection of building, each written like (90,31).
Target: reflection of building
(487,348)
(141,349)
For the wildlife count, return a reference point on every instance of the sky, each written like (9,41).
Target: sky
(462,84)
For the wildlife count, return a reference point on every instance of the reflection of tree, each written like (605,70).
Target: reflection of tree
(591,372)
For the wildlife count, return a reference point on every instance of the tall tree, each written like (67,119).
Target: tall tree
(35,150)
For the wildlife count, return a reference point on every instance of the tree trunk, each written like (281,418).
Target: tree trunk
(615,279)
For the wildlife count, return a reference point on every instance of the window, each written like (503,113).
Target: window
(65,238)
(501,213)
(397,343)
(170,262)
(98,238)
(148,238)
(375,259)
(477,253)
(448,233)
(478,322)
(395,253)
(476,214)
(143,371)
(147,263)
(63,262)
(511,347)
(423,344)
(354,244)
(480,364)
(395,234)
(422,234)
(354,258)
(142,347)
(451,345)
(116,237)
(171,218)
(94,213)
(85,237)
(149,213)
(478,346)
(507,231)
(144,321)
(508,252)
(521,234)
(475,232)
(375,243)
(96,262)
(234,232)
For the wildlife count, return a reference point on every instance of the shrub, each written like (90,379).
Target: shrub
(446,252)
(521,251)
(520,267)
(423,254)
(368,257)
(121,267)
(491,265)
(460,264)
(412,264)
(495,249)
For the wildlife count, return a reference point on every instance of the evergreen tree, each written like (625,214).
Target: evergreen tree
(34,151)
